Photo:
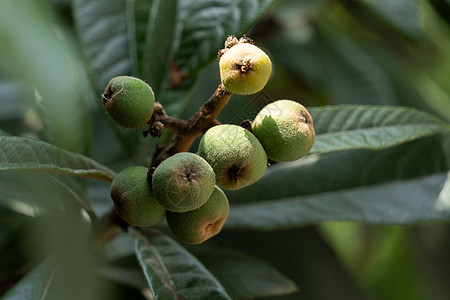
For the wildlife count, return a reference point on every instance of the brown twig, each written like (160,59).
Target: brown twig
(161,120)
(187,131)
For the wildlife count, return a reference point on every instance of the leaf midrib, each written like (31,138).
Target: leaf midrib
(168,282)
(47,286)
(389,127)
(334,191)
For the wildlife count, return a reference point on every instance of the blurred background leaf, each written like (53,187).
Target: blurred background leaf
(244,276)
(160,42)
(56,62)
(36,285)
(37,155)
(105,29)
(401,15)
(58,96)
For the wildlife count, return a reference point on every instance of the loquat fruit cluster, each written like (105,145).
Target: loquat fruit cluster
(186,187)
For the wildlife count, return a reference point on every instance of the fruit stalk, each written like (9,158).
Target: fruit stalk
(186,131)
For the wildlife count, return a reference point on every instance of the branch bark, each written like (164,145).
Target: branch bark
(187,131)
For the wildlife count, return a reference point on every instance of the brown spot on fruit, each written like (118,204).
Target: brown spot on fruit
(183,182)
(196,226)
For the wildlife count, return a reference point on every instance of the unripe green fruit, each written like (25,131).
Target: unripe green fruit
(133,198)
(129,101)
(237,157)
(285,129)
(196,226)
(244,69)
(183,182)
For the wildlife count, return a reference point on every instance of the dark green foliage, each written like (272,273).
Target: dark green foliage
(372,74)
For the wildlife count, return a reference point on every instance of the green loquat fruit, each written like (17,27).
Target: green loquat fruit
(285,129)
(183,182)
(129,101)
(234,153)
(196,226)
(133,198)
(244,69)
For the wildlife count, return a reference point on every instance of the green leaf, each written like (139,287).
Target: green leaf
(17,153)
(68,278)
(174,100)
(36,285)
(141,15)
(106,31)
(353,76)
(11,93)
(201,31)
(302,255)
(9,203)
(75,188)
(62,2)
(27,193)
(442,7)
(403,15)
(131,277)
(407,184)
(159,44)
(171,271)
(205,25)
(344,127)
(41,56)
(245,276)
(408,202)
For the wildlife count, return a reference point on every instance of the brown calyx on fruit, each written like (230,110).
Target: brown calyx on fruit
(232,41)
(188,174)
(305,117)
(107,94)
(236,171)
(213,227)
(245,66)
(247,124)
(246,39)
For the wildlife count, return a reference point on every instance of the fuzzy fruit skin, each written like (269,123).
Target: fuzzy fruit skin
(285,129)
(245,69)
(237,157)
(133,198)
(196,226)
(129,101)
(183,182)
